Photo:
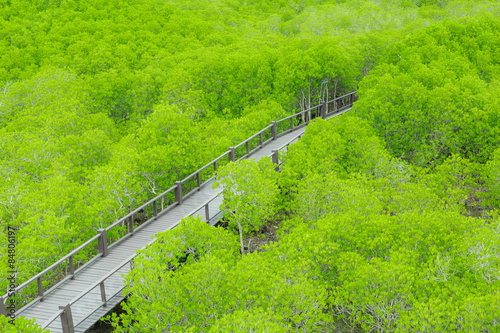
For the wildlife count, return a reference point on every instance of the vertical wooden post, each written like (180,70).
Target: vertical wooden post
(291,124)
(231,154)
(67,319)
(275,159)
(198,181)
(155,210)
(215,170)
(103,294)
(260,139)
(103,242)
(3,311)
(323,110)
(40,288)
(207,213)
(178,193)
(131,225)
(351,99)
(273,130)
(71,267)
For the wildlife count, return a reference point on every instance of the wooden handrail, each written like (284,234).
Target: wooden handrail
(205,166)
(51,267)
(88,290)
(51,319)
(288,143)
(205,205)
(135,211)
(173,188)
(253,136)
(344,96)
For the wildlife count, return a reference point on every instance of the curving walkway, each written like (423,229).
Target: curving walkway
(75,304)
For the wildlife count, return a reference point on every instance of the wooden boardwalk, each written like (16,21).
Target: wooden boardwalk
(84,292)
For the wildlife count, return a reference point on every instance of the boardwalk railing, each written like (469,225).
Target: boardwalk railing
(65,313)
(175,195)
(209,218)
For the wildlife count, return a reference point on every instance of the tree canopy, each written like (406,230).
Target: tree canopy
(104,104)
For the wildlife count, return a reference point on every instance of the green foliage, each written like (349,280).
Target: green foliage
(51,146)
(339,148)
(492,179)
(21,325)
(104,105)
(306,63)
(319,195)
(255,320)
(454,179)
(194,252)
(382,268)
(436,94)
(250,192)
(389,243)
(208,287)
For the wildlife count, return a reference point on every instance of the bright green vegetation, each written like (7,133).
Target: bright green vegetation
(382,248)
(250,191)
(105,104)
(437,93)
(21,325)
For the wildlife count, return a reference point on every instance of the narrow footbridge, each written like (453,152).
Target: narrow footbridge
(86,294)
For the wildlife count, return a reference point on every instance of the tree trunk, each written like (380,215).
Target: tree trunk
(241,238)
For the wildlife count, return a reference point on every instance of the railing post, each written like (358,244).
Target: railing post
(291,124)
(3,311)
(323,110)
(103,294)
(231,154)
(131,225)
(260,139)
(178,192)
(275,159)
(207,213)
(71,267)
(198,181)
(155,210)
(351,99)
(273,130)
(103,242)
(67,319)
(40,288)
